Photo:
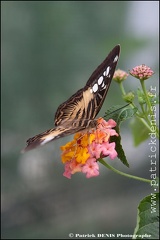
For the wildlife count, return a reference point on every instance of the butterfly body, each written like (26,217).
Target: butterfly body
(79,111)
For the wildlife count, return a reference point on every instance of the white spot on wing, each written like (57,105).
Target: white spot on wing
(100,80)
(107,70)
(95,87)
(115,59)
(102,84)
(47,139)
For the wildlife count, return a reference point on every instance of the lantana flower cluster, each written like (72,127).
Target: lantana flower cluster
(142,72)
(120,75)
(82,153)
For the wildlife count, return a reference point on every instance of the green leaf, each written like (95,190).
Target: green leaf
(119,113)
(119,148)
(139,131)
(148,218)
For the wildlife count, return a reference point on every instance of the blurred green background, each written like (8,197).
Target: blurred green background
(49,50)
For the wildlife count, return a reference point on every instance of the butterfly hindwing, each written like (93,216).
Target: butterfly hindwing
(71,109)
(49,135)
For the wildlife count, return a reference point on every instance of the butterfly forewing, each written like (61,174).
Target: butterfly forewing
(100,80)
(81,108)
(87,102)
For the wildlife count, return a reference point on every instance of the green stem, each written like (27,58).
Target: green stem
(146,94)
(124,93)
(122,88)
(122,173)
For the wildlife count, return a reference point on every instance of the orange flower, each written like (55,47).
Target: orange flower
(81,154)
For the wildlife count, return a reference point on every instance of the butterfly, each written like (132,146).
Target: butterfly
(79,111)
